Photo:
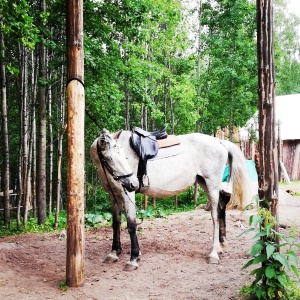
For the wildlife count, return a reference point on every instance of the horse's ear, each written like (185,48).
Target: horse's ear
(117,134)
(106,140)
(102,143)
(103,140)
(104,131)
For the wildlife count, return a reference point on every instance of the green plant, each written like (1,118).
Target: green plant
(272,280)
(63,285)
(92,220)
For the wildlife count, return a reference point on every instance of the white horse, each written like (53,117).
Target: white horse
(198,157)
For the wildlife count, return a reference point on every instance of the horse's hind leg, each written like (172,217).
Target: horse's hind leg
(213,195)
(223,200)
(116,250)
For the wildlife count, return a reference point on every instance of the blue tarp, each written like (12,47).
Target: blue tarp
(251,171)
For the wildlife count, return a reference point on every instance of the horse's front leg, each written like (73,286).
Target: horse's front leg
(130,208)
(116,250)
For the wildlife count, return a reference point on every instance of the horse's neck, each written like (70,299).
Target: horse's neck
(130,153)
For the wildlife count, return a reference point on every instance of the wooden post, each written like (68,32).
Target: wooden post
(279,148)
(76,108)
(195,193)
(154,202)
(268,171)
(176,202)
(145,202)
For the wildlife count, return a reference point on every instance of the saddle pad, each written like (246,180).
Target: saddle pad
(171,140)
(167,152)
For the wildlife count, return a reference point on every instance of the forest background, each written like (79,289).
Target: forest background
(189,65)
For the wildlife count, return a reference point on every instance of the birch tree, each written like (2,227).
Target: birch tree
(6,173)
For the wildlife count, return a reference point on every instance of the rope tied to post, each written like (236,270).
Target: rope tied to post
(75,78)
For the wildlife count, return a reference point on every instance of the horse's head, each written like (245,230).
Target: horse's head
(113,159)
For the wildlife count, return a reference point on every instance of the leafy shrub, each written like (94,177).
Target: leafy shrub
(272,280)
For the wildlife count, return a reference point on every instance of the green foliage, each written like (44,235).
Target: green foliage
(17,23)
(32,225)
(99,207)
(272,280)
(95,219)
(286,44)
(228,80)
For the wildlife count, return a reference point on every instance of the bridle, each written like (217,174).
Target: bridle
(106,166)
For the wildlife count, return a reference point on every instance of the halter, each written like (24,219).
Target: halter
(106,166)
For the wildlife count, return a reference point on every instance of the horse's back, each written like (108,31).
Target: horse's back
(196,155)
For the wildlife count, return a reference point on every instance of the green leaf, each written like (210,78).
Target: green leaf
(270,250)
(260,234)
(260,273)
(295,270)
(292,257)
(249,263)
(260,258)
(247,230)
(270,272)
(279,257)
(256,248)
(107,216)
(282,280)
(256,219)
(269,229)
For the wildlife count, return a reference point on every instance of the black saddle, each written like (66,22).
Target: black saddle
(145,145)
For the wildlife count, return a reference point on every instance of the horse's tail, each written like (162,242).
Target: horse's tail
(241,185)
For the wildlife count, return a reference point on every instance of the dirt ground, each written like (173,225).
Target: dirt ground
(173,263)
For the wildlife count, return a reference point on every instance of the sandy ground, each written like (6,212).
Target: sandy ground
(173,263)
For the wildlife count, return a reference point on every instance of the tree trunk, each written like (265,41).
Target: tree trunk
(33,129)
(199,66)
(268,174)
(4,134)
(268,161)
(126,93)
(59,152)
(75,176)
(50,172)
(24,132)
(41,196)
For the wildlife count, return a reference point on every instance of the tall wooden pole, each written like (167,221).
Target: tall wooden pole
(76,108)
(268,173)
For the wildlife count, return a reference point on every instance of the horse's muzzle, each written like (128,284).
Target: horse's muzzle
(131,184)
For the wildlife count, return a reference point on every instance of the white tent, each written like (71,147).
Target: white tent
(287,114)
